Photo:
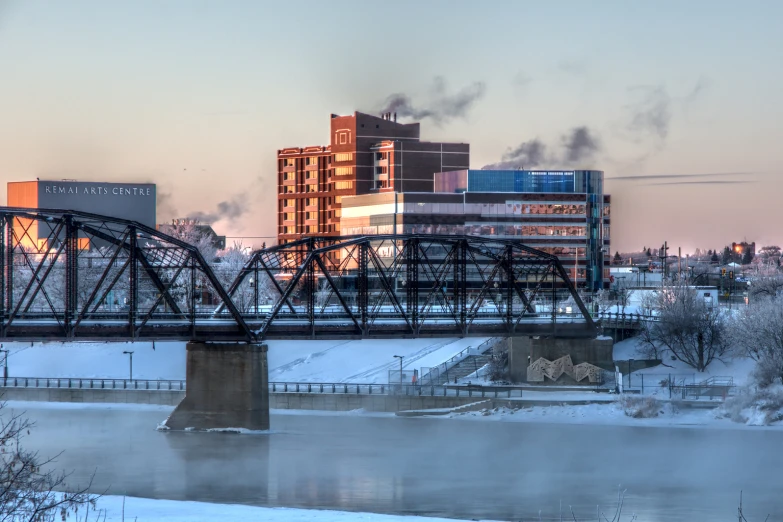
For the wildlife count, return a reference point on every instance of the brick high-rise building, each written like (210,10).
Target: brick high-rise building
(367,154)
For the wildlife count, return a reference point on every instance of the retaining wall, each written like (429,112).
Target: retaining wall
(283,401)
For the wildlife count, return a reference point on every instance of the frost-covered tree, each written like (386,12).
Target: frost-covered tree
(765,282)
(757,331)
(687,328)
(618,259)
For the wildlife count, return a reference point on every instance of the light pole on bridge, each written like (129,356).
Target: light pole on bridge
(131,363)
(400,357)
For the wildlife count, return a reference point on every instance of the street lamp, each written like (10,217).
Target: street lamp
(131,363)
(630,363)
(400,357)
(5,363)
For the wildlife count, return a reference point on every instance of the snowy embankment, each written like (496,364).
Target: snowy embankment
(366,361)
(149,510)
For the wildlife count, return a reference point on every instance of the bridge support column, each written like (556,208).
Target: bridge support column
(523,351)
(227,387)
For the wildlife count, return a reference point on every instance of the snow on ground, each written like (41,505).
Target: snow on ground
(738,368)
(607,414)
(365,361)
(150,510)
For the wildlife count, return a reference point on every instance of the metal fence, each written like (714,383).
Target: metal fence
(89,383)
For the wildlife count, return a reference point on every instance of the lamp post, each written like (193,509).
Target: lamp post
(5,363)
(131,363)
(400,357)
(630,363)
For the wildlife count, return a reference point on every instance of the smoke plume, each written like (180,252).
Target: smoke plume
(578,146)
(442,107)
(229,210)
(652,113)
(527,155)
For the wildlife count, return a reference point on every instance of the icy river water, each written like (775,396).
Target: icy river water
(449,468)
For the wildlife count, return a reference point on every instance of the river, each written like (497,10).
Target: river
(449,468)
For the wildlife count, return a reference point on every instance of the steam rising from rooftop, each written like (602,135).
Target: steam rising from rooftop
(579,145)
(442,107)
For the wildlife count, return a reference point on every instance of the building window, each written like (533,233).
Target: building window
(289,176)
(312,188)
(312,215)
(343,185)
(312,229)
(312,202)
(290,230)
(290,189)
(312,160)
(343,171)
(288,162)
(289,203)
(289,216)
(338,200)
(345,156)
(312,174)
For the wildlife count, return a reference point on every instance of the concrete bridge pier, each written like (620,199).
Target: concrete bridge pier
(227,387)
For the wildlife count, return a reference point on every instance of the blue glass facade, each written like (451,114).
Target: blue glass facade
(568,181)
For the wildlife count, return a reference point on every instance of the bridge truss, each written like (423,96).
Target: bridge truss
(71,275)
(76,275)
(409,286)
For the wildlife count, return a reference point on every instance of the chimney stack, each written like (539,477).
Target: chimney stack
(395,117)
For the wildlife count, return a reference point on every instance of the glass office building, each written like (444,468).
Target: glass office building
(564,213)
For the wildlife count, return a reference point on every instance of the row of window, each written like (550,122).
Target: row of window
(343,156)
(343,171)
(343,185)
(509,208)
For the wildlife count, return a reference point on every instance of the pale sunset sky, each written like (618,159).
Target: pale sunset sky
(197,96)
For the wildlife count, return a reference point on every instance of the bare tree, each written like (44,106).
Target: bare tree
(28,492)
(685,327)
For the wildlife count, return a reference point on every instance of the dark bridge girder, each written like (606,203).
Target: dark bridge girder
(408,286)
(136,283)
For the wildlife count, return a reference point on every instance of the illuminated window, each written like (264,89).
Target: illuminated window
(343,171)
(311,202)
(290,230)
(312,188)
(289,203)
(312,174)
(312,160)
(312,215)
(343,185)
(290,189)
(338,199)
(289,216)
(312,229)
(289,176)
(345,156)
(288,162)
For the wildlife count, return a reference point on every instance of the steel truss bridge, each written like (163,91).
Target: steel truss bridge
(75,275)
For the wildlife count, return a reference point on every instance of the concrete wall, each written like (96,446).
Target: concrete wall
(283,401)
(163,397)
(525,350)
(347,402)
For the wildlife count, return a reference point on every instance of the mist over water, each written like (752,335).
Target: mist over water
(451,468)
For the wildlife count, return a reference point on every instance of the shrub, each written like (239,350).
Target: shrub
(760,408)
(640,407)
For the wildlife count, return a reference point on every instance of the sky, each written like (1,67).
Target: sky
(197,96)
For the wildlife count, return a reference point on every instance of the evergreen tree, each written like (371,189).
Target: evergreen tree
(714,258)
(617,258)
(709,252)
(726,257)
(747,257)
(649,253)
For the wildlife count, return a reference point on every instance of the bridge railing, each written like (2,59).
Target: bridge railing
(91,383)
(274,387)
